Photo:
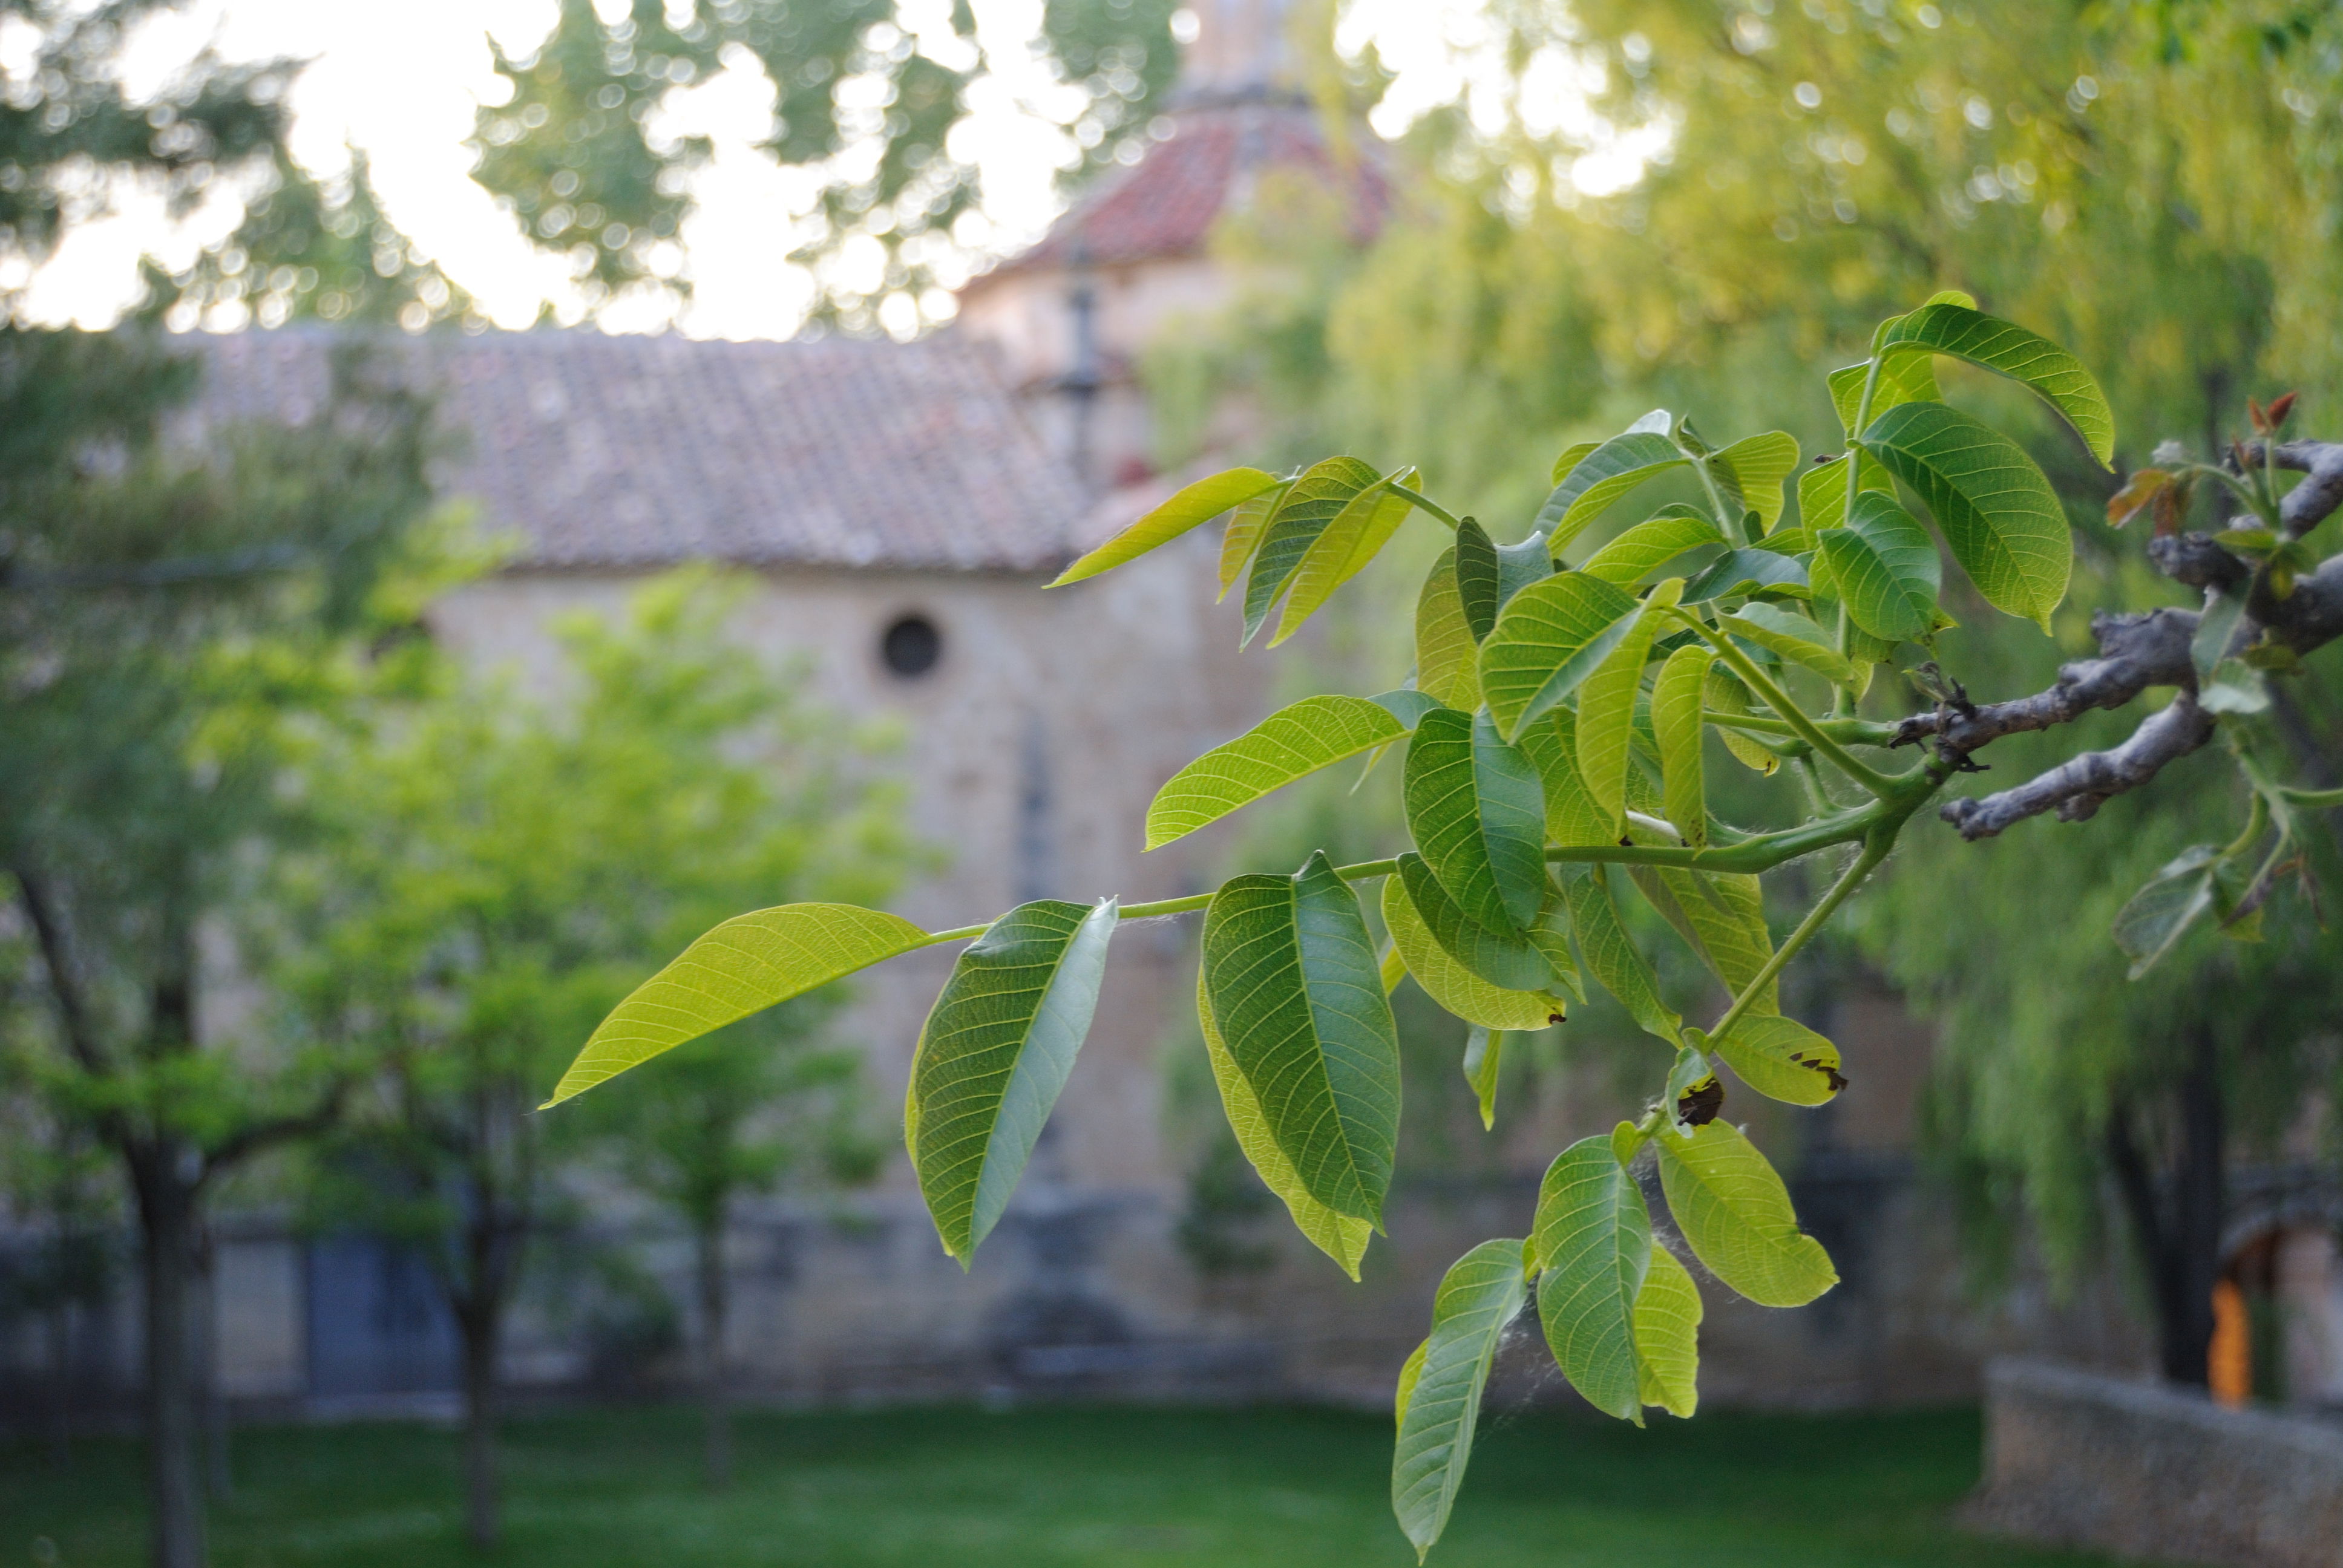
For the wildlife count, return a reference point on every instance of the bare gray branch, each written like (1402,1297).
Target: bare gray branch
(2077,786)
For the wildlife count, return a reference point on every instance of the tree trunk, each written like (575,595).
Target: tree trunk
(715,1391)
(2178,1218)
(482,1521)
(175,1495)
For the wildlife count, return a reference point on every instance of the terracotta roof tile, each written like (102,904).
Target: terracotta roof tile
(637,452)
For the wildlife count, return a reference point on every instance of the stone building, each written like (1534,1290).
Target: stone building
(900,508)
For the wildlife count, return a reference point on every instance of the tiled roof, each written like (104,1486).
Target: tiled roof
(1166,204)
(623,452)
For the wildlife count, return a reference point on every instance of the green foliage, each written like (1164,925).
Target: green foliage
(1590,699)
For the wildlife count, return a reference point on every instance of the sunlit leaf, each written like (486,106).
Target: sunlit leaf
(1822,493)
(1725,694)
(1571,816)
(1617,965)
(1649,545)
(1291,977)
(1295,741)
(1998,512)
(1759,464)
(2009,350)
(1904,379)
(1780,1058)
(1358,533)
(1198,503)
(1885,570)
(1793,637)
(1242,537)
(746,965)
(1447,655)
(1735,1213)
(1484,1050)
(1591,1240)
(1572,456)
(1667,1335)
(1676,708)
(1440,1406)
(1600,477)
(1338,1236)
(994,1056)
(1548,641)
(1606,706)
(1311,504)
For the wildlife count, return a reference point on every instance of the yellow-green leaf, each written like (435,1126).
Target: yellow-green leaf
(1676,706)
(1310,507)
(1592,1243)
(1359,531)
(1198,503)
(1793,637)
(1618,965)
(1883,566)
(1759,464)
(1549,639)
(1247,524)
(1339,1236)
(1484,1050)
(1571,816)
(1726,695)
(1450,983)
(1649,545)
(746,965)
(1997,511)
(1509,960)
(1821,493)
(1667,1335)
(1295,741)
(1600,477)
(1606,707)
(1735,1213)
(1447,655)
(1479,1294)
(2009,350)
(1780,1058)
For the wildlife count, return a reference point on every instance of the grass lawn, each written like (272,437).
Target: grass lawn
(1041,1488)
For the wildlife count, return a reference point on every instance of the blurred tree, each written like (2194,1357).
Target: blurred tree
(169,629)
(862,109)
(733,1114)
(2138,181)
(452,927)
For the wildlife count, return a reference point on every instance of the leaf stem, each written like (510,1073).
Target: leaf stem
(1854,433)
(1876,846)
(1802,727)
(1426,504)
(1847,731)
(2315,799)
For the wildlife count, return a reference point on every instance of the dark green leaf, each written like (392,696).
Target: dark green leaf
(1476,578)
(1886,570)
(1296,992)
(994,1055)
(1592,1243)
(2161,912)
(1611,955)
(1743,571)
(2010,350)
(1448,982)
(1507,959)
(1315,501)
(1477,811)
(1600,477)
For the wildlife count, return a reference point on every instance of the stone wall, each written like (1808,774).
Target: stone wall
(2149,1471)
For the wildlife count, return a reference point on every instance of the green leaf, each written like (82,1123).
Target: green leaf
(746,965)
(1315,501)
(1410,1372)
(1780,1058)
(994,1056)
(2010,350)
(1476,578)
(1338,1236)
(2234,687)
(1886,568)
(1480,1295)
(1722,916)
(1246,525)
(1793,637)
(1484,1050)
(1822,492)
(2216,627)
(1548,641)
(1616,962)
(1290,743)
(1447,654)
(1518,565)
(1743,572)
(1591,1240)
(1676,708)
(1998,512)
(1294,990)
(1358,533)
(1648,545)
(1476,810)
(1667,1335)
(2156,917)
(1735,1213)
(1507,959)
(1725,694)
(1600,477)
(1606,707)
(1906,378)
(1571,816)
(1448,982)
(1572,456)
(1198,503)
(1758,465)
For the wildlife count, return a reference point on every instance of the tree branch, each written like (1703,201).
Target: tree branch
(48,922)
(2077,786)
(2310,502)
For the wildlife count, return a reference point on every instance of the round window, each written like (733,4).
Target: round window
(911,645)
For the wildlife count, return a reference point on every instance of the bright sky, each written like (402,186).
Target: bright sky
(402,82)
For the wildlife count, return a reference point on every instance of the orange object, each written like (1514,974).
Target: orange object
(2229,1359)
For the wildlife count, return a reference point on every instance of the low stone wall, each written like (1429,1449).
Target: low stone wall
(2152,1472)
